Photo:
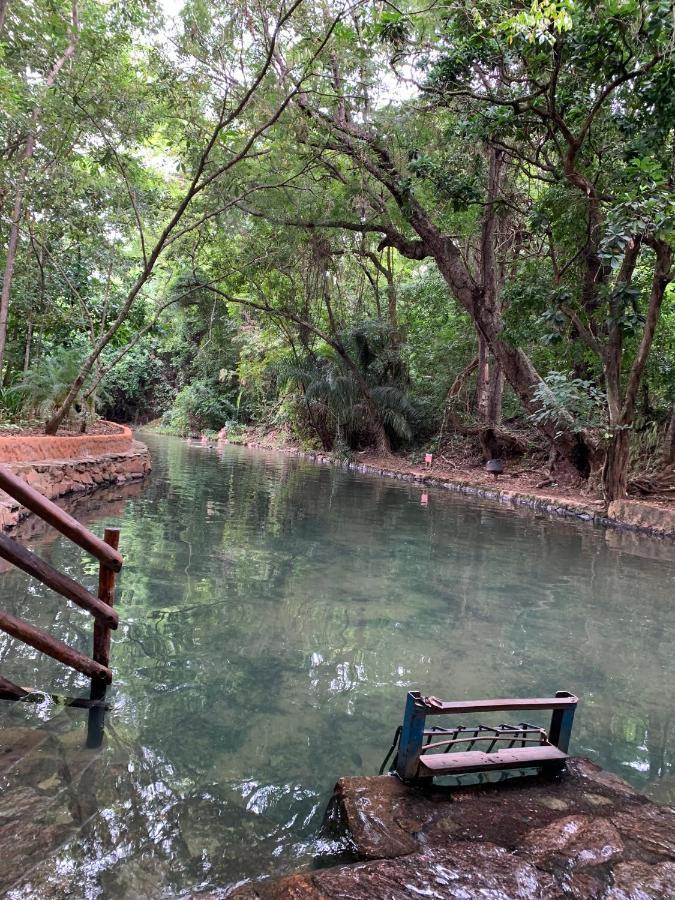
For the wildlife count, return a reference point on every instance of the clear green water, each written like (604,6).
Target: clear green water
(275,613)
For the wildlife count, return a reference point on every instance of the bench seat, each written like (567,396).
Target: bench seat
(436,764)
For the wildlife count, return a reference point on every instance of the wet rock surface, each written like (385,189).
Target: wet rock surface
(585,835)
(484,871)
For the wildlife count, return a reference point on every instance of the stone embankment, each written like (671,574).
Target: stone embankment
(586,835)
(633,515)
(61,465)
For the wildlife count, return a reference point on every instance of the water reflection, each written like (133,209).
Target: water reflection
(274,614)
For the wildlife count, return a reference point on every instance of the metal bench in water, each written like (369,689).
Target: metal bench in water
(426,752)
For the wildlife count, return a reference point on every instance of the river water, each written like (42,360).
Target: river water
(274,613)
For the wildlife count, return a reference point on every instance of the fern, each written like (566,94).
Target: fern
(45,385)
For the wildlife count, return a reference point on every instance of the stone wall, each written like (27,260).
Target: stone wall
(84,463)
(638,514)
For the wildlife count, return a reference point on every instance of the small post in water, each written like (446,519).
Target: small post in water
(102,639)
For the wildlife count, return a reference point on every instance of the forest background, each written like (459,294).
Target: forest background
(404,226)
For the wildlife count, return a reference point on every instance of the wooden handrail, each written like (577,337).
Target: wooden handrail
(101,607)
(52,514)
(106,596)
(45,643)
(23,558)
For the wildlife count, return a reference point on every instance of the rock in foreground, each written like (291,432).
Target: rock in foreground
(585,835)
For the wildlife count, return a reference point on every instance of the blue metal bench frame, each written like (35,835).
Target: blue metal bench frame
(418,708)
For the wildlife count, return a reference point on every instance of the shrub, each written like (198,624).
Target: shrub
(200,406)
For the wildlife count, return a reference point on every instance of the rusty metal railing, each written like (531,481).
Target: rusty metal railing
(97,666)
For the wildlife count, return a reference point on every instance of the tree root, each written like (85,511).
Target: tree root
(662,482)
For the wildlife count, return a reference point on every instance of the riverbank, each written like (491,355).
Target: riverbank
(521,485)
(586,834)
(68,464)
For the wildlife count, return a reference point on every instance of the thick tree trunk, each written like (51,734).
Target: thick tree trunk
(53,425)
(483,304)
(495,394)
(615,470)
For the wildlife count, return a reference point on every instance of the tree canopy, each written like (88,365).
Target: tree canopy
(374,222)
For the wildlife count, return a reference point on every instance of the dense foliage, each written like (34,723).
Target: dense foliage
(371,224)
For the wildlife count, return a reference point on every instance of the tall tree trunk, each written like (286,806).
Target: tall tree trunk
(495,394)
(199,182)
(482,380)
(615,470)
(615,480)
(492,378)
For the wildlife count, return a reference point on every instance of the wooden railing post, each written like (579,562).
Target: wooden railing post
(106,593)
(102,640)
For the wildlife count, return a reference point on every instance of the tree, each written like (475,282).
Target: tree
(535,90)
(26,141)
(389,204)
(570,89)
(352,189)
